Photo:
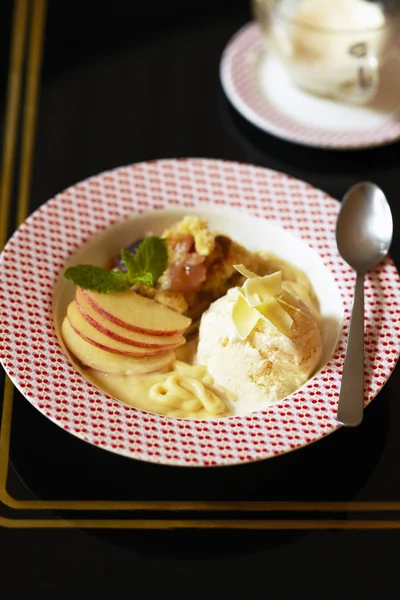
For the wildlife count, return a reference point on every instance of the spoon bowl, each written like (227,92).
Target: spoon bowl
(364,228)
(364,232)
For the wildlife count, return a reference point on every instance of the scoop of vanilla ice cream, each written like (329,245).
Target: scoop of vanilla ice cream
(265,367)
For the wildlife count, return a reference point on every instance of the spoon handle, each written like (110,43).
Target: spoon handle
(351,400)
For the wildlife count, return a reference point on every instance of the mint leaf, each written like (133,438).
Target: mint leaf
(145,268)
(97,279)
(149,261)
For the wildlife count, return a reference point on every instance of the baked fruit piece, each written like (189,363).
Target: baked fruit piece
(200,268)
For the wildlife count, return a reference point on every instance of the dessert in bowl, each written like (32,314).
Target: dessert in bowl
(259,209)
(238,316)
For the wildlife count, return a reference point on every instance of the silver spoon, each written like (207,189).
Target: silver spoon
(364,232)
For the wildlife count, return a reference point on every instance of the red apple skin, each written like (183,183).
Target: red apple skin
(108,362)
(119,333)
(133,327)
(113,347)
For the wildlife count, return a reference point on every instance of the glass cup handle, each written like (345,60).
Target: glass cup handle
(367,65)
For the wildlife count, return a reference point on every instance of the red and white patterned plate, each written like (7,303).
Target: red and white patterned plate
(33,261)
(260,89)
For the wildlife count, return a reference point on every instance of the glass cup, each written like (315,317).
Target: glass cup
(331,48)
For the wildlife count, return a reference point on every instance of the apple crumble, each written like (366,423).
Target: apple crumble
(200,268)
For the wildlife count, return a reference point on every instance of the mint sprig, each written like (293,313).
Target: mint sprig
(144,267)
(97,279)
(149,261)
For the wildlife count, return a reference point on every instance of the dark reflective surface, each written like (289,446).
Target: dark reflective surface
(125,82)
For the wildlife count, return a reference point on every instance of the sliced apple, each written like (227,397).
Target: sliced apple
(108,362)
(137,313)
(122,334)
(97,338)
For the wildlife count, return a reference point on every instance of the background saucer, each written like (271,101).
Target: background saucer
(260,89)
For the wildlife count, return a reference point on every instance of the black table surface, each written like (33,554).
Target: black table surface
(124,82)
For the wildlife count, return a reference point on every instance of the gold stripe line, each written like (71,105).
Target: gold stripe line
(30,105)
(196,524)
(5,436)
(204,506)
(14,85)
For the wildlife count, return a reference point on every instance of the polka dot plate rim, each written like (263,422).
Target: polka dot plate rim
(34,360)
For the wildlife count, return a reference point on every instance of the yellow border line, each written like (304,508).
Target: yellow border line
(5,433)
(29,126)
(31,105)
(15,75)
(196,524)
